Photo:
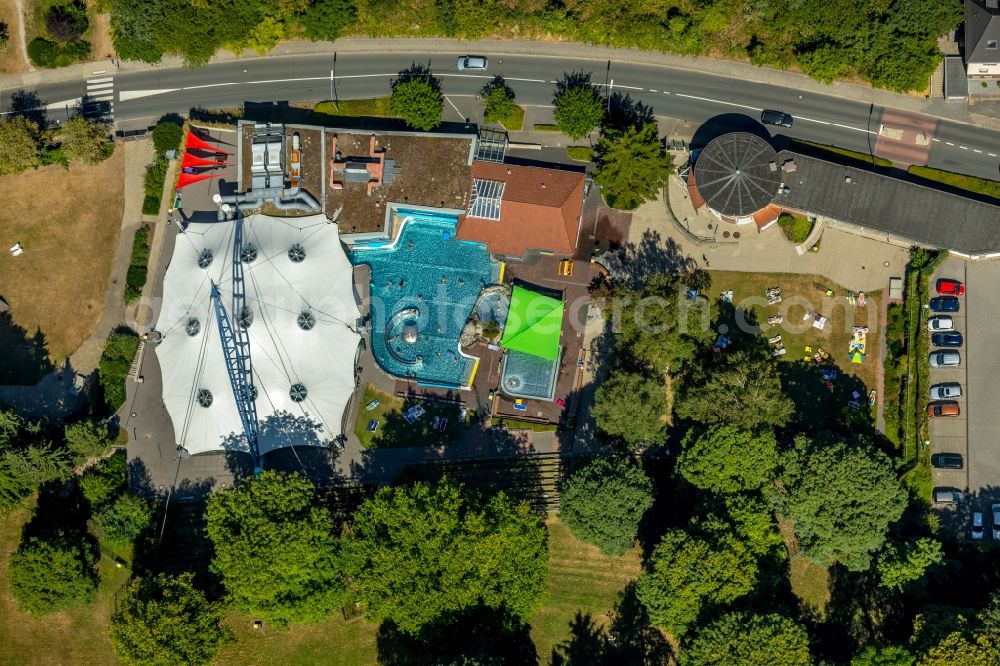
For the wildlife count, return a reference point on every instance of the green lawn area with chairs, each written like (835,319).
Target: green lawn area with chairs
(393,429)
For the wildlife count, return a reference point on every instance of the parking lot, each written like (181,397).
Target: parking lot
(976,433)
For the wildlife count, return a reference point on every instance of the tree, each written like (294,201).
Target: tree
(578,106)
(753,521)
(87,439)
(687,572)
(19,144)
(630,406)
(25,461)
(325,20)
(123,520)
(603,502)
(841,500)
(416,98)
(167,620)
(425,552)
(632,166)
(884,655)
(52,574)
(66,22)
(660,326)
(727,459)
(743,390)
(167,135)
(749,640)
(958,648)
(498,100)
(85,141)
(275,552)
(104,481)
(899,565)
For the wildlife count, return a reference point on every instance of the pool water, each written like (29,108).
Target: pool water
(423,289)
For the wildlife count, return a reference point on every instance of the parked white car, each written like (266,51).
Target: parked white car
(941,323)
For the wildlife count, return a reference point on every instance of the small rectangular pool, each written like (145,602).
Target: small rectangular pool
(424,286)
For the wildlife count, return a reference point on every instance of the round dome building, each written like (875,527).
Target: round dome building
(737,175)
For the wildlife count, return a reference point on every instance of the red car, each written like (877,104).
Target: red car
(950,287)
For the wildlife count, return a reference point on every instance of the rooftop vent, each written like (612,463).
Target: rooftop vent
(249,253)
(192,326)
(298,392)
(296,253)
(306,320)
(205,397)
(205,258)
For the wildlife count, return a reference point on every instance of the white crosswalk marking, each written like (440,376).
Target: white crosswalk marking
(102,90)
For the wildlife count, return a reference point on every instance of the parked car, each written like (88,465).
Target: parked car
(473,63)
(944,495)
(947,339)
(947,461)
(949,286)
(943,408)
(977,525)
(941,323)
(945,304)
(946,391)
(772,117)
(995,510)
(945,359)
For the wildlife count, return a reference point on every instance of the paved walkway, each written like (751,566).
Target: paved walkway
(599,54)
(854,261)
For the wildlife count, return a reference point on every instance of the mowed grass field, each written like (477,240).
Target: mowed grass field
(582,580)
(68,222)
(77,636)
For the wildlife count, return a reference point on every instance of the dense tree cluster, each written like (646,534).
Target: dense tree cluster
(604,501)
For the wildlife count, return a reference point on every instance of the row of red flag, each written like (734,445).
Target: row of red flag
(191,161)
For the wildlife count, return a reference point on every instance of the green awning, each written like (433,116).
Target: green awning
(534,324)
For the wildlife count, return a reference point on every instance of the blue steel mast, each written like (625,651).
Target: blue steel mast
(236,348)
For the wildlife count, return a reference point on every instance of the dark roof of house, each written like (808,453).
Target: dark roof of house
(982,23)
(889,205)
(736,174)
(539,209)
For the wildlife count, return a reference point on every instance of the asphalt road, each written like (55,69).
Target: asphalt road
(140,97)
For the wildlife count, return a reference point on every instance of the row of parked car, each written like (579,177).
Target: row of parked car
(944,336)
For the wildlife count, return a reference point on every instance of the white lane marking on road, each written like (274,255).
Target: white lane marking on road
(949,143)
(976,150)
(631,87)
(964,147)
(106,79)
(667,92)
(936,139)
(653,90)
(126,95)
(813,120)
(100,86)
(719,101)
(991,154)
(101,98)
(856,129)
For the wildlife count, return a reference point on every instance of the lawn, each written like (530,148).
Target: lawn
(72,637)
(332,641)
(795,228)
(801,293)
(990,188)
(515,121)
(394,431)
(580,153)
(69,237)
(376,106)
(809,581)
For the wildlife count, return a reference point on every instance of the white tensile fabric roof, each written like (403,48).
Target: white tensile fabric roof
(282,353)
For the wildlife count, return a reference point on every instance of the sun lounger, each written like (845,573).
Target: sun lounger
(779,352)
(373,425)
(371,405)
(775,340)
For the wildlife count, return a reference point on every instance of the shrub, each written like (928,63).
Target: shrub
(45,53)
(796,229)
(167,136)
(86,439)
(135,277)
(66,23)
(116,360)
(491,330)
(154,180)
(52,574)
(124,519)
(103,481)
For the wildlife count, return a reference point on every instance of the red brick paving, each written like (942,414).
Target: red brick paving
(906,150)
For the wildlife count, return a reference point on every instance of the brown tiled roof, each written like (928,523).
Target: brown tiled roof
(540,210)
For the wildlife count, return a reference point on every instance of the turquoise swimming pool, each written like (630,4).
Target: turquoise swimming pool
(423,288)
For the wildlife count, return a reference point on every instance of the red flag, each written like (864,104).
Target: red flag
(190,160)
(188,178)
(195,141)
